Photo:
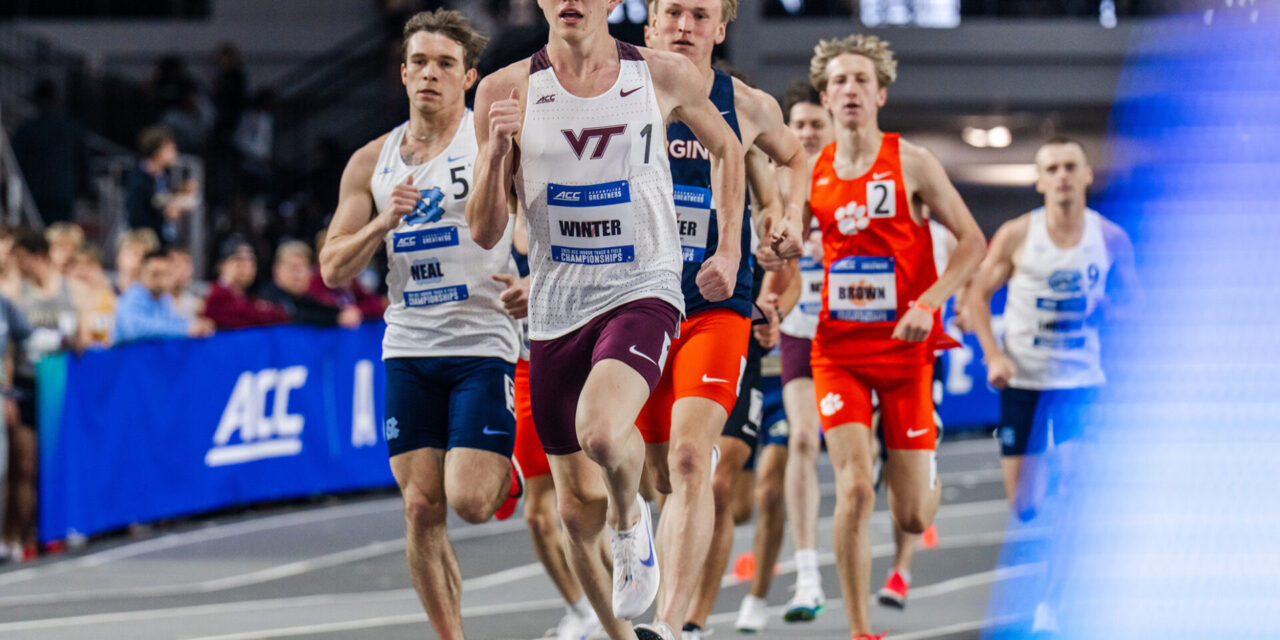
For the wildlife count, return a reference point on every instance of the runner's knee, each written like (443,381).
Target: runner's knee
(689,461)
(582,515)
(423,509)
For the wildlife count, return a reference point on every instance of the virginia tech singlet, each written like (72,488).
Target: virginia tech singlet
(596,188)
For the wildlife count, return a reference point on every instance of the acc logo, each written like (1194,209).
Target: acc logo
(428,208)
(569,196)
(851,218)
(831,404)
(258,411)
(1065,280)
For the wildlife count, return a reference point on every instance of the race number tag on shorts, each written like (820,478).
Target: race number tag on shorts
(693,209)
(810,286)
(433,278)
(863,289)
(591,224)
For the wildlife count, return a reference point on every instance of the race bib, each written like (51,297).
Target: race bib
(863,289)
(693,209)
(810,301)
(591,224)
(441,278)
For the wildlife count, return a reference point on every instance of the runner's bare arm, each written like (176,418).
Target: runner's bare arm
(681,97)
(934,188)
(766,214)
(780,144)
(354,237)
(499,110)
(1125,297)
(996,269)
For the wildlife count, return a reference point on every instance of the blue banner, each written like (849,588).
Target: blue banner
(161,429)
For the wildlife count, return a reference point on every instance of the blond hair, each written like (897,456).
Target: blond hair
(869,47)
(143,236)
(728,10)
(295,248)
(68,232)
(451,24)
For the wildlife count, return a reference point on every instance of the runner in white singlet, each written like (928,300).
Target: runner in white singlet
(450,346)
(577,133)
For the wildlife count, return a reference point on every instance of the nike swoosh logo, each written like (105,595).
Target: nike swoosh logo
(627,93)
(706,379)
(881,175)
(491,432)
(633,350)
(457,158)
(912,433)
(649,561)
(725,113)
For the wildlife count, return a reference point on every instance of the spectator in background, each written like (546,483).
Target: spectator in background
(10,278)
(254,138)
(65,239)
(353,293)
(130,247)
(229,305)
(51,152)
(188,298)
(98,308)
(190,121)
(146,309)
(291,278)
(151,200)
(169,83)
(18,478)
(230,92)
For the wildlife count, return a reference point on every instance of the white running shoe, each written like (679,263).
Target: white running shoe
(751,615)
(655,631)
(575,627)
(635,567)
(808,602)
(696,634)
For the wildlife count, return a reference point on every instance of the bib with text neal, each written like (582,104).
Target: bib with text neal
(436,275)
(591,224)
(862,289)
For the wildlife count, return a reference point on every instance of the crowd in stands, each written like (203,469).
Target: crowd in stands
(57,295)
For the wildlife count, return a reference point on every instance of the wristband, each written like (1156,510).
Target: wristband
(916,304)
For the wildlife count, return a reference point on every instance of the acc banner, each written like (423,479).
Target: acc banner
(155,430)
(968,401)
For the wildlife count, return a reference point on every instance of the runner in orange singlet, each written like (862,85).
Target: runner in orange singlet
(879,324)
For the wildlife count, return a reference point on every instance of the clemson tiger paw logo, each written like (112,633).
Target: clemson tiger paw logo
(831,404)
(851,218)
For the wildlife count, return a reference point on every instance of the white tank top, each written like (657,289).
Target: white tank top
(443,301)
(1052,294)
(596,187)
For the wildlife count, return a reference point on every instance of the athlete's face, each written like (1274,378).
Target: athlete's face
(574,19)
(1063,174)
(434,73)
(853,95)
(688,27)
(812,125)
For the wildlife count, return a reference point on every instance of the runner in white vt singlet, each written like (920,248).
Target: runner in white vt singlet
(577,132)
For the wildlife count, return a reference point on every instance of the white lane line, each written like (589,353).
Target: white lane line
(881,516)
(886,550)
(469,585)
(959,627)
(205,534)
(389,621)
(291,569)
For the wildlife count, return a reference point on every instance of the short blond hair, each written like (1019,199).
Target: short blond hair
(869,47)
(143,236)
(728,10)
(293,248)
(68,232)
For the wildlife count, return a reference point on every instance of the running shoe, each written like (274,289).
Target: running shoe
(635,567)
(751,615)
(694,632)
(808,602)
(868,636)
(514,496)
(655,631)
(894,592)
(575,627)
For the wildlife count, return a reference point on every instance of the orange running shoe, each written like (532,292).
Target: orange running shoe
(516,494)
(894,592)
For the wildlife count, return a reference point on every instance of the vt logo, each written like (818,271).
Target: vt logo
(428,209)
(578,141)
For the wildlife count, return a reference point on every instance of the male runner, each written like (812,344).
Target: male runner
(1057,261)
(576,133)
(688,409)
(879,324)
(449,346)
